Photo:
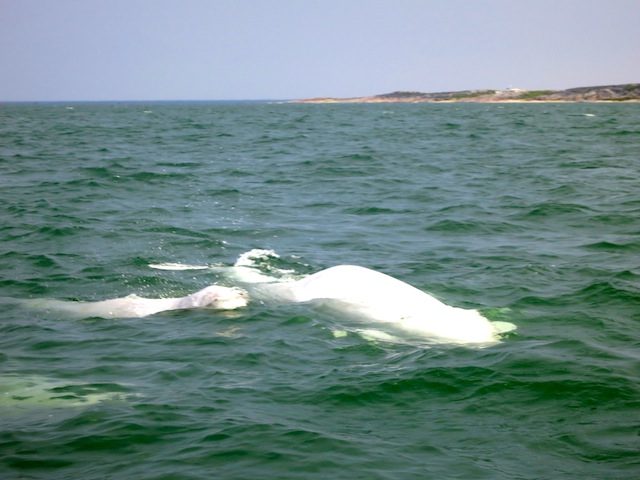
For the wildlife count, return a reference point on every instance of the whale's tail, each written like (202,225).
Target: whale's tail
(503,327)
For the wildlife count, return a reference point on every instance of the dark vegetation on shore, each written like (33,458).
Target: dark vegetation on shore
(609,93)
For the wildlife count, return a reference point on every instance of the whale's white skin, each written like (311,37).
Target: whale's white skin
(349,291)
(371,296)
(132,306)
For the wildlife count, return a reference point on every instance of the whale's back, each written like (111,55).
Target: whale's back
(375,296)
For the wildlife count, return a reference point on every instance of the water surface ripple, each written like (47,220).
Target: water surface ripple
(527,212)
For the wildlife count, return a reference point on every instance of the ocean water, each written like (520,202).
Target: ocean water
(528,212)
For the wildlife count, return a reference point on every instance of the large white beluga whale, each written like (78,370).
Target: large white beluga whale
(378,300)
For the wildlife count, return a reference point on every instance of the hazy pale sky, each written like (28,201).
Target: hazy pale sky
(283,49)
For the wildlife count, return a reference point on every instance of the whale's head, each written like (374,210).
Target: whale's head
(231,299)
(217,297)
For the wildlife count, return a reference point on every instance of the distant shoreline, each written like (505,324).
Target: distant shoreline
(626,93)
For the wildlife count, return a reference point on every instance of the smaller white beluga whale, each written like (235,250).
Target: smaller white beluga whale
(133,306)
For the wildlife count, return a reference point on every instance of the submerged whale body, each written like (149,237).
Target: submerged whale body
(133,306)
(25,394)
(371,296)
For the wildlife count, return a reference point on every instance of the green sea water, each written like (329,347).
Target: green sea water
(528,212)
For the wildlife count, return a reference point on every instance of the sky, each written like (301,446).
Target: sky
(100,50)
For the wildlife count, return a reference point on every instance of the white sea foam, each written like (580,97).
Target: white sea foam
(178,266)
(251,258)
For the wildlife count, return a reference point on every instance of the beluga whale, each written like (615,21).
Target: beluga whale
(132,306)
(372,298)
(379,305)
